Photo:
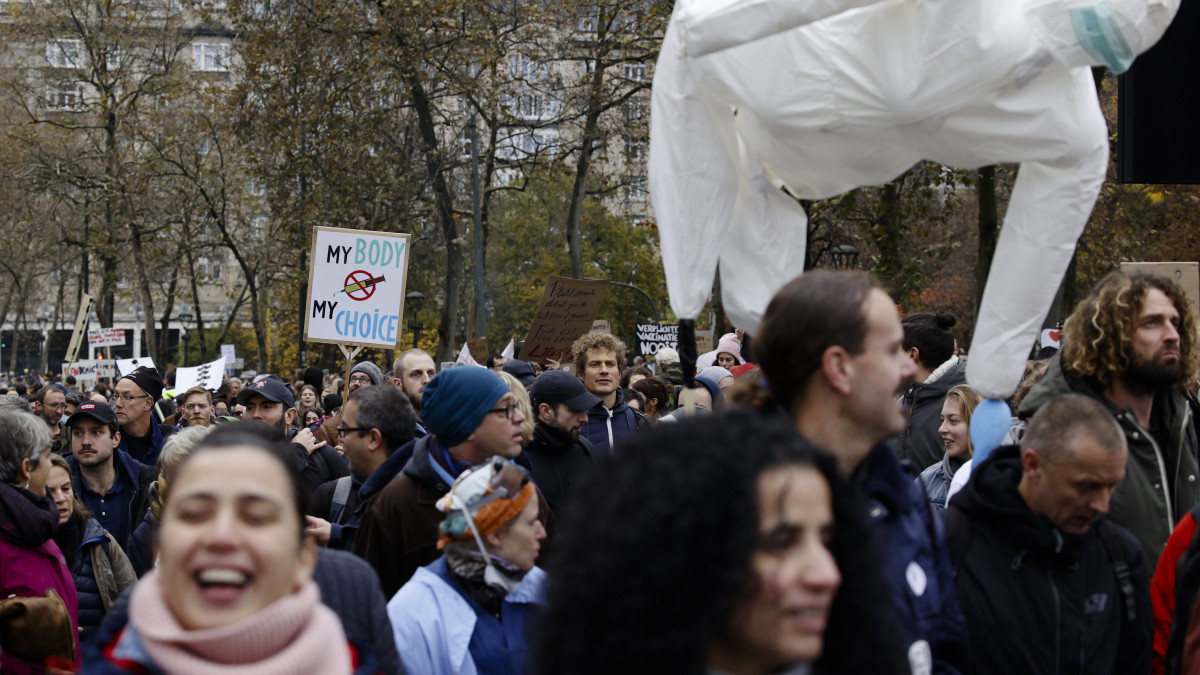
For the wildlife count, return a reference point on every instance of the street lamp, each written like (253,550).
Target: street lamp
(413,301)
(843,257)
(42,320)
(185,317)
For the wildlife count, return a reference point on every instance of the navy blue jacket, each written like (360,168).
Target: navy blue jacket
(616,424)
(912,545)
(146,448)
(341,535)
(135,475)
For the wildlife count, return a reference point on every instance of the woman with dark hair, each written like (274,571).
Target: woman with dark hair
(656,394)
(715,544)
(930,344)
(633,374)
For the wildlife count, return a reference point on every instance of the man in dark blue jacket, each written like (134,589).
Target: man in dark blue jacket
(599,360)
(376,422)
(133,404)
(831,348)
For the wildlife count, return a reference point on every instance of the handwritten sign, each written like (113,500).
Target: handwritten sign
(88,371)
(356,287)
(1186,274)
(601,326)
(479,350)
(652,337)
(106,337)
(704,341)
(567,311)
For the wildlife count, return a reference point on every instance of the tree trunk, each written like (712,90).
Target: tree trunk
(989,229)
(151,343)
(591,124)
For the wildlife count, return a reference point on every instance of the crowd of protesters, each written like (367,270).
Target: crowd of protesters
(806,499)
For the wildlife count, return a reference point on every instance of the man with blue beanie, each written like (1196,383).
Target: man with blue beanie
(471,416)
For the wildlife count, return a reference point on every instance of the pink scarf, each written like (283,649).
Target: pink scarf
(294,635)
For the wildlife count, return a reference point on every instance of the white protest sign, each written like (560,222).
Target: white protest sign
(127,366)
(1051,337)
(87,371)
(207,375)
(356,287)
(106,337)
(228,352)
(652,337)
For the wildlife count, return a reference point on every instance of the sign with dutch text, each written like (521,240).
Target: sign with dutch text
(652,337)
(567,310)
(356,287)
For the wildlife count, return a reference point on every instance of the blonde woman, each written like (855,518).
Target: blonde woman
(955,432)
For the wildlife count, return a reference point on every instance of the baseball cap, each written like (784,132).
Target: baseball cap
(522,370)
(270,389)
(97,411)
(558,386)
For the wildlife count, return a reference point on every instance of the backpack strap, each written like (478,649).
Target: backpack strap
(341,493)
(1121,570)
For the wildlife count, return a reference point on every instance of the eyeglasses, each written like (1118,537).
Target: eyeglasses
(360,380)
(128,399)
(507,410)
(342,431)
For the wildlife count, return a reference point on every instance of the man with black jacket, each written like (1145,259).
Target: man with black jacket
(269,400)
(1046,583)
(113,485)
(559,455)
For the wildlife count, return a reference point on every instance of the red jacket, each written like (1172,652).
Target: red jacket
(1162,587)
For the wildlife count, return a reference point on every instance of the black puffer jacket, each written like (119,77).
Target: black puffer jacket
(1037,600)
(920,443)
(101,572)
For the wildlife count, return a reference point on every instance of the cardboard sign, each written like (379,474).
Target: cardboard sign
(127,366)
(567,310)
(229,353)
(479,350)
(1186,274)
(601,326)
(652,337)
(106,337)
(88,371)
(356,287)
(704,341)
(207,375)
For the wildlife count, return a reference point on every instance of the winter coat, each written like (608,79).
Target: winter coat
(137,476)
(101,572)
(141,543)
(147,448)
(916,565)
(920,442)
(398,532)
(362,493)
(935,481)
(1177,557)
(1161,482)
(605,428)
(559,462)
(319,466)
(30,561)
(433,622)
(1015,569)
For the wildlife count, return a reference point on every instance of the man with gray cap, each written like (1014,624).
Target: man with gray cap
(269,400)
(559,455)
(133,402)
(471,416)
(363,374)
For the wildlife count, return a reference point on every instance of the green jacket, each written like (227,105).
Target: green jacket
(1142,503)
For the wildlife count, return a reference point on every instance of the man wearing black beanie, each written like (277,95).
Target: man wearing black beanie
(133,401)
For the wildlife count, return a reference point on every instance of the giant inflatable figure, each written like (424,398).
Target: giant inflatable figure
(759,103)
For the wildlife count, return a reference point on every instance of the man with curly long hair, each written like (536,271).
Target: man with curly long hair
(1131,344)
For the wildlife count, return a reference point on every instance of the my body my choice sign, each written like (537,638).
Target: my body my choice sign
(356,287)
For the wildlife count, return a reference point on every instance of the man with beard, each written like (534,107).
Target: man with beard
(49,403)
(412,370)
(1131,344)
(269,400)
(113,485)
(196,407)
(560,457)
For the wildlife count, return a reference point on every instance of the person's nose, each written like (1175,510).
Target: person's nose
(539,530)
(1172,332)
(517,416)
(1100,502)
(821,571)
(944,428)
(222,531)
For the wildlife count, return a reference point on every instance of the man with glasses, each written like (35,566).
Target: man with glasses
(50,403)
(269,400)
(471,416)
(363,374)
(376,421)
(133,401)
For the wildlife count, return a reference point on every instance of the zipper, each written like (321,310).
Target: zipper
(1162,470)
(1187,418)
(610,438)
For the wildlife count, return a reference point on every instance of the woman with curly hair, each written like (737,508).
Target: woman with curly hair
(716,544)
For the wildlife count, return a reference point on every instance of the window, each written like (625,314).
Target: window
(636,148)
(65,96)
(64,53)
(587,67)
(161,9)
(588,24)
(258,224)
(114,58)
(635,188)
(636,71)
(211,58)
(524,68)
(209,268)
(257,188)
(635,110)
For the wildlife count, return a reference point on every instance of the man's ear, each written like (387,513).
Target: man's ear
(544,410)
(838,367)
(289,416)
(914,354)
(1031,464)
(376,439)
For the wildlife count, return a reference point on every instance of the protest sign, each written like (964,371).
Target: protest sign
(1186,274)
(704,341)
(567,310)
(601,326)
(127,366)
(1051,337)
(207,375)
(106,337)
(356,287)
(88,371)
(652,337)
(479,350)
(229,353)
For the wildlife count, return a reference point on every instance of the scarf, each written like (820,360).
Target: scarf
(294,635)
(26,517)
(69,536)
(941,370)
(467,566)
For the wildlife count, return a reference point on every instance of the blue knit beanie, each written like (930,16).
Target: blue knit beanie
(456,400)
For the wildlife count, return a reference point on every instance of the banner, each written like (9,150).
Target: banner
(356,287)
(567,310)
(88,371)
(652,337)
(106,337)
(465,358)
(479,350)
(207,375)
(509,348)
(127,366)
(228,352)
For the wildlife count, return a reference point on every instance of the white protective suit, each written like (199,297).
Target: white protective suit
(758,103)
